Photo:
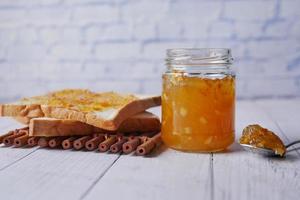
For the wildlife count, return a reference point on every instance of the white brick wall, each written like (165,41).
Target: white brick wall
(120,44)
(254,10)
(97,14)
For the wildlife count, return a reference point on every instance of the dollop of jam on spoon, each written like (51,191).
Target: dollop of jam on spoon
(261,140)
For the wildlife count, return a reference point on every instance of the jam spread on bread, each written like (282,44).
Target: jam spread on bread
(82,100)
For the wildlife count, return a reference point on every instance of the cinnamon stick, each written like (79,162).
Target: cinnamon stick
(131,145)
(23,132)
(146,136)
(33,141)
(149,145)
(8,141)
(98,134)
(80,143)
(18,130)
(6,135)
(44,142)
(144,139)
(21,141)
(55,142)
(68,143)
(24,128)
(93,143)
(120,136)
(105,145)
(115,148)
(133,135)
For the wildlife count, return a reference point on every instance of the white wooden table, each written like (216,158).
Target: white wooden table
(34,173)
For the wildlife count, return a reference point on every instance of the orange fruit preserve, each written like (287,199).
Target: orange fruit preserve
(198,112)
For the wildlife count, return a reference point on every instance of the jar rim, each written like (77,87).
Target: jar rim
(201,49)
(199,56)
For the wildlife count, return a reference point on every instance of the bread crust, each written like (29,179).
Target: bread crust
(49,127)
(110,121)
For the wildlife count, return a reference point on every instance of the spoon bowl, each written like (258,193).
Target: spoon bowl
(259,150)
(265,151)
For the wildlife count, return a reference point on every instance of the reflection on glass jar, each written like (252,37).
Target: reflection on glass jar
(198,100)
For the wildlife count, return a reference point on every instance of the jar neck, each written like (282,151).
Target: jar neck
(205,58)
(200,62)
(199,69)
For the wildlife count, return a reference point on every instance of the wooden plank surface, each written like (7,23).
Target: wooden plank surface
(243,175)
(286,114)
(167,174)
(35,173)
(54,174)
(9,156)
(171,175)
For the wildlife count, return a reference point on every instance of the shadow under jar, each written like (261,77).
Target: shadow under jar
(198,100)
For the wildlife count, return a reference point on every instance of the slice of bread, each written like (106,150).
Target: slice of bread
(103,110)
(49,127)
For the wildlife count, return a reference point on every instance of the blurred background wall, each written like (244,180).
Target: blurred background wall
(120,44)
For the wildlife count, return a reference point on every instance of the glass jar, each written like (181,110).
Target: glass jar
(198,100)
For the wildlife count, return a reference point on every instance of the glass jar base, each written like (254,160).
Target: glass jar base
(205,149)
(198,151)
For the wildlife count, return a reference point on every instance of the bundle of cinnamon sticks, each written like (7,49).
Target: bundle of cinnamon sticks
(127,143)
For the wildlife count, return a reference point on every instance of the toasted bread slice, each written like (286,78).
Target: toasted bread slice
(103,110)
(49,127)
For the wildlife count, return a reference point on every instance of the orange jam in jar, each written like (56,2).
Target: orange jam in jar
(198,100)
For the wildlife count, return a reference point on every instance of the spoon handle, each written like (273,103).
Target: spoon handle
(292,143)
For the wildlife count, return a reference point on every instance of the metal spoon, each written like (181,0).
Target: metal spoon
(265,151)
